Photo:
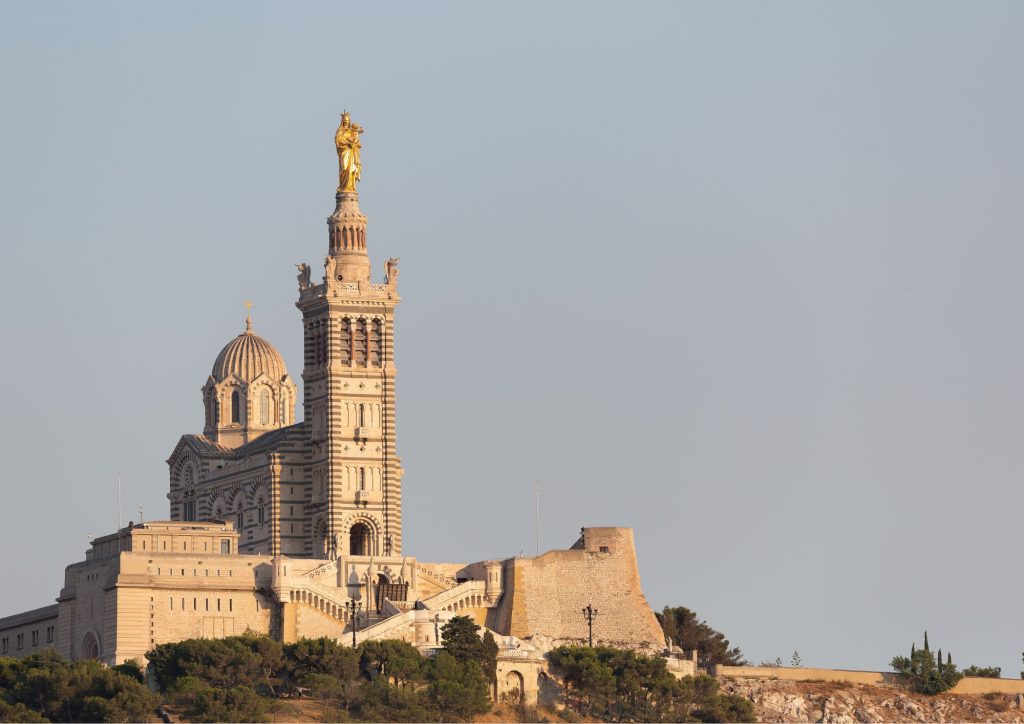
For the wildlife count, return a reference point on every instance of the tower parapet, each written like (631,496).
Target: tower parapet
(347,233)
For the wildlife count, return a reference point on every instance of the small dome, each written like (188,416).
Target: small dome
(248,356)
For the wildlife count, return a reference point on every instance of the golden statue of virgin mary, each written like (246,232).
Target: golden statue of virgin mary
(346,140)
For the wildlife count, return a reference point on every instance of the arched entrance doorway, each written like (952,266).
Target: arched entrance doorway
(513,693)
(359,540)
(90,648)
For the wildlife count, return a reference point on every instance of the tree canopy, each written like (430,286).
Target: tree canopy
(689,632)
(623,686)
(925,672)
(239,678)
(46,687)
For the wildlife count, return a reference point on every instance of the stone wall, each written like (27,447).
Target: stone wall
(28,633)
(967,685)
(312,624)
(545,595)
(173,597)
(799,673)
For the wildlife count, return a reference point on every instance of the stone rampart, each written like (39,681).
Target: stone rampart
(966,685)
(546,595)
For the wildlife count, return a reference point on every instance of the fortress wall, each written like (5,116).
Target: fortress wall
(545,595)
(984,685)
(799,673)
(966,685)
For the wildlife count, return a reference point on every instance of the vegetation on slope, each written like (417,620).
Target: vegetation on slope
(45,687)
(690,633)
(622,686)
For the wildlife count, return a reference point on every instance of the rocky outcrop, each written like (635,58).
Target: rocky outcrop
(806,701)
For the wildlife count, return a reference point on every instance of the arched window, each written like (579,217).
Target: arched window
(359,540)
(377,343)
(236,407)
(265,407)
(345,349)
(239,518)
(261,515)
(362,478)
(359,342)
(362,415)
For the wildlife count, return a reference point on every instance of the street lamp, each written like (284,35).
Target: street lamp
(353,609)
(590,613)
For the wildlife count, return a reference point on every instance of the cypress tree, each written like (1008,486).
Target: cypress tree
(912,651)
(949,659)
(925,640)
(938,660)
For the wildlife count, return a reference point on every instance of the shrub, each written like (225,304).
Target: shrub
(132,668)
(238,704)
(988,672)
(20,713)
(925,673)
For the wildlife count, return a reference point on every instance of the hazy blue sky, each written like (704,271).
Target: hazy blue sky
(743,276)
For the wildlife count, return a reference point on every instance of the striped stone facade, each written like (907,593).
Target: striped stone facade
(349,402)
(332,484)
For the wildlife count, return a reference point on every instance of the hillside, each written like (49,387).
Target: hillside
(808,701)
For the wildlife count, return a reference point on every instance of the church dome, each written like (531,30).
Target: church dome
(248,356)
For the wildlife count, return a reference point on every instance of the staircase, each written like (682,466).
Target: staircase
(315,589)
(328,600)
(464,595)
(469,594)
(438,578)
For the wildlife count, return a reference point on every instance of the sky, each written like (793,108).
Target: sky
(744,277)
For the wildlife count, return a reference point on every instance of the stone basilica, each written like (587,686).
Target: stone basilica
(294,529)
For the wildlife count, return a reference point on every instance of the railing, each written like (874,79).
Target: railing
(326,568)
(382,628)
(328,594)
(438,577)
(465,595)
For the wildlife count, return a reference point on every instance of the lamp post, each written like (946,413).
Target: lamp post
(589,613)
(353,609)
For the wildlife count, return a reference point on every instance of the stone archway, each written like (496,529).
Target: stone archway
(513,689)
(360,539)
(90,647)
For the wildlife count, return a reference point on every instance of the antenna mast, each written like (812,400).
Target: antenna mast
(536,522)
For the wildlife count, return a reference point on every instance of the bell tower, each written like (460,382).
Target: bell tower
(349,376)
